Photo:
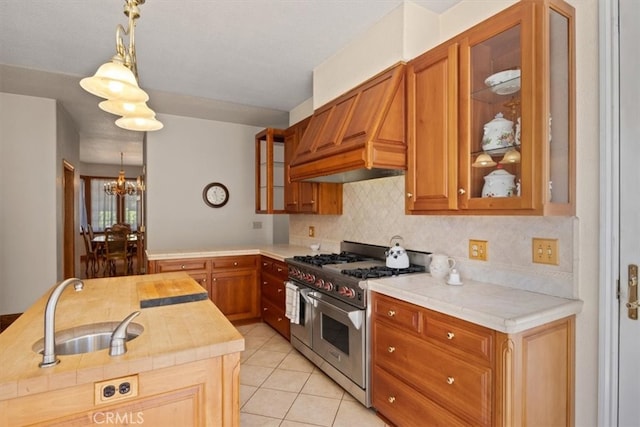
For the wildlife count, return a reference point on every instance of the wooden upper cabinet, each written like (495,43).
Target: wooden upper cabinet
(459,91)
(364,128)
(270,171)
(432,95)
(307,197)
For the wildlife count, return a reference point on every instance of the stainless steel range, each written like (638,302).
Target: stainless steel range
(330,325)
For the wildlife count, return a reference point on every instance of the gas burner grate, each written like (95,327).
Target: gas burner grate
(322,259)
(380,271)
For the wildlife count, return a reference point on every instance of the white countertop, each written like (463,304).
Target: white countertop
(279,252)
(497,307)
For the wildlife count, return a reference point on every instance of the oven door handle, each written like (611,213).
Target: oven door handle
(356,316)
(304,293)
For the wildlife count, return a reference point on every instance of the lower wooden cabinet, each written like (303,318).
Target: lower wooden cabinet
(200,393)
(273,276)
(234,286)
(231,281)
(434,369)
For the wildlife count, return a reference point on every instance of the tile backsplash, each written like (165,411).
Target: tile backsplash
(373,212)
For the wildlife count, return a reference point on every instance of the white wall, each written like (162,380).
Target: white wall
(184,157)
(28,194)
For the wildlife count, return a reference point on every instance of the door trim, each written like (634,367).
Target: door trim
(609,213)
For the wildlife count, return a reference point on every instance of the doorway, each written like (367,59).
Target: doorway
(619,390)
(69,234)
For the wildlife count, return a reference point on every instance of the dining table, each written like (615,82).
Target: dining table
(98,242)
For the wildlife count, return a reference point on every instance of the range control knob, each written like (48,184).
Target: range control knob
(328,286)
(319,283)
(347,292)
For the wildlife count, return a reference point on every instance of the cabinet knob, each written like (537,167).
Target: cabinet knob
(182,266)
(279,269)
(461,191)
(204,280)
(450,335)
(391,399)
(265,282)
(391,349)
(279,290)
(264,264)
(391,313)
(450,380)
(235,263)
(312,201)
(264,308)
(279,319)
(409,195)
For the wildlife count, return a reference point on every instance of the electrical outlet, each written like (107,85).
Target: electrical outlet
(478,249)
(545,251)
(312,231)
(115,389)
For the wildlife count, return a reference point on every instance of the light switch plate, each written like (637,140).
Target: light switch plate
(545,251)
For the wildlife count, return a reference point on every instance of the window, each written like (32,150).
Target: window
(102,210)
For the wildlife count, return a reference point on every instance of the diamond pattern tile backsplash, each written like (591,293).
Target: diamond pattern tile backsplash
(373,212)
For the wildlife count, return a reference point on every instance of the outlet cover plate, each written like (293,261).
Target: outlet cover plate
(125,388)
(478,249)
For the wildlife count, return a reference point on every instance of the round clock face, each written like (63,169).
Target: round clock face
(215,195)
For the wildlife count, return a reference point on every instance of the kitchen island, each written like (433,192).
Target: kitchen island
(183,369)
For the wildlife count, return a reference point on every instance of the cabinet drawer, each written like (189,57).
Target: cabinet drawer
(273,289)
(270,265)
(463,388)
(397,312)
(403,406)
(181,265)
(234,262)
(460,335)
(274,316)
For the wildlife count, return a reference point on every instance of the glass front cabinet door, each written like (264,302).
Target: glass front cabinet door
(517,120)
(499,139)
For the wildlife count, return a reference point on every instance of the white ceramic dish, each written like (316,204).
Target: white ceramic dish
(505,82)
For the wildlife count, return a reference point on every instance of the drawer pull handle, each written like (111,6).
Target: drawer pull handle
(279,290)
(279,269)
(450,380)
(391,313)
(450,335)
(265,282)
(391,399)
(279,319)
(264,309)
(391,349)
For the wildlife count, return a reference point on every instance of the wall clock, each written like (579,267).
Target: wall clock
(215,195)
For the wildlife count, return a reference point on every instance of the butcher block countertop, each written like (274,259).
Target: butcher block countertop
(497,307)
(179,327)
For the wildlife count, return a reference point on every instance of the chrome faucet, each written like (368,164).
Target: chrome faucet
(49,353)
(118,344)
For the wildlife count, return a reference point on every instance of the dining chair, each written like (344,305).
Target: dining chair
(115,244)
(90,257)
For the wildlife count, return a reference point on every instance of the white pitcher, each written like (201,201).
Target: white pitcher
(441,265)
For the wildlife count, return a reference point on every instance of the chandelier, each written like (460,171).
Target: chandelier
(120,187)
(117,81)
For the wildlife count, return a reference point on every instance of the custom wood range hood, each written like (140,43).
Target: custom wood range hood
(360,135)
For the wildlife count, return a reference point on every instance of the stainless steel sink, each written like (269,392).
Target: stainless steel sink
(87,338)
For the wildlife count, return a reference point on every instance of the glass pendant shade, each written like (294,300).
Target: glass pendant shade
(113,80)
(126,108)
(139,123)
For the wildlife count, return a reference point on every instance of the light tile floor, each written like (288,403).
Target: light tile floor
(280,387)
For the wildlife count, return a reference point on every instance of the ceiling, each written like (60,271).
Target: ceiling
(241,61)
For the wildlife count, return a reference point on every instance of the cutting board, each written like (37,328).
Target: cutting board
(170,291)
